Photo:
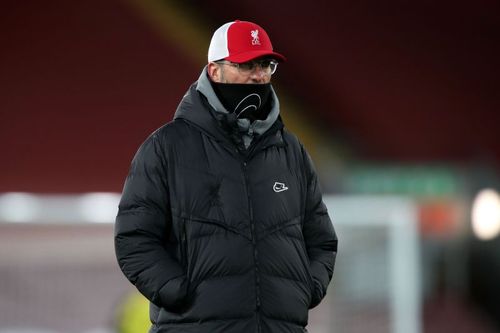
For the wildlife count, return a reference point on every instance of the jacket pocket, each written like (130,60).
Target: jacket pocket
(307,267)
(310,278)
(154,314)
(184,246)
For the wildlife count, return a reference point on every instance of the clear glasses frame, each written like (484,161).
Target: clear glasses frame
(268,66)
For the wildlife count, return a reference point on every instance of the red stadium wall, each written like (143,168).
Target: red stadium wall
(82,85)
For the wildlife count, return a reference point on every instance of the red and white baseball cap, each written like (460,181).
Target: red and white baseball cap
(241,41)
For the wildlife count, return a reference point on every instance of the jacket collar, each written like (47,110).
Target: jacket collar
(258,126)
(196,110)
(199,105)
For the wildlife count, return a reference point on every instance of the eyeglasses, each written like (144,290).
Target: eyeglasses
(268,66)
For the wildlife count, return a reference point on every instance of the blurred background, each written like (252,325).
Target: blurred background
(396,101)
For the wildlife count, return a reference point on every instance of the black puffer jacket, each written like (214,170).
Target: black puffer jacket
(221,241)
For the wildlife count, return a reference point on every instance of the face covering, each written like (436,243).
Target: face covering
(249,101)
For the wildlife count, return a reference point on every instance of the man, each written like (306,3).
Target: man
(221,224)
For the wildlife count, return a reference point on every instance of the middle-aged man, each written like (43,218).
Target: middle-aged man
(221,224)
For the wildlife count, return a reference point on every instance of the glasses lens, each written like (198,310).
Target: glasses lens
(265,63)
(246,67)
(268,66)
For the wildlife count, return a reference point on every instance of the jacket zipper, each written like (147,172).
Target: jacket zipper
(254,243)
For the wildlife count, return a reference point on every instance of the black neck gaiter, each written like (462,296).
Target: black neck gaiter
(249,101)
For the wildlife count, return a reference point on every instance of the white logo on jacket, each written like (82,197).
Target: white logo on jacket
(279,187)
(255,37)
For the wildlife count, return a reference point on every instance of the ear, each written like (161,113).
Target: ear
(214,72)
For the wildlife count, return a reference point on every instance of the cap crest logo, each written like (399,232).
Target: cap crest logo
(255,37)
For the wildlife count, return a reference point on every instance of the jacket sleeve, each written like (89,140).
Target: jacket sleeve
(142,226)
(319,235)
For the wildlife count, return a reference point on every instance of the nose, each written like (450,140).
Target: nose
(258,75)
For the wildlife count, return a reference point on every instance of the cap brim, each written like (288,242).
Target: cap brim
(247,56)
